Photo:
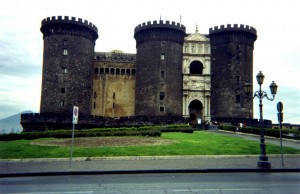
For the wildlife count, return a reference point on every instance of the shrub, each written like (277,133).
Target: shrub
(154,131)
(227,127)
(183,130)
(81,133)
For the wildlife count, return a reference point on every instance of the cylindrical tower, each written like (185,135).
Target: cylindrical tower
(68,64)
(159,68)
(231,66)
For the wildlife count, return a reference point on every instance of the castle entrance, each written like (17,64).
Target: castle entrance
(195,111)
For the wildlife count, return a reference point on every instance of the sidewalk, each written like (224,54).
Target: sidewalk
(151,164)
(27,167)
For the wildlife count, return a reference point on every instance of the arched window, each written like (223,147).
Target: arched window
(196,67)
(112,71)
(128,72)
(122,71)
(101,70)
(133,72)
(106,70)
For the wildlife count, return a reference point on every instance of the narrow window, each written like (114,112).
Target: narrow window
(113,105)
(161,96)
(95,94)
(106,70)
(65,43)
(62,90)
(112,71)
(128,72)
(133,72)
(64,70)
(96,71)
(162,74)
(94,104)
(122,71)
(162,56)
(238,98)
(101,70)
(65,51)
(114,95)
(162,109)
(62,103)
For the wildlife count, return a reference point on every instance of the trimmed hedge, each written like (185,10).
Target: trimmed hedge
(82,133)
(152,131)
(170,128)
(183,130)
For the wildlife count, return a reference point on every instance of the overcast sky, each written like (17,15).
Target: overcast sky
(276,53)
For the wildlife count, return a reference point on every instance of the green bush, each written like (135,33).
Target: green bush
(154,131)
(227,127)
(81,133)
(183,130)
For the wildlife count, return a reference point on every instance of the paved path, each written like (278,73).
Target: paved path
(154,163)
(272,140)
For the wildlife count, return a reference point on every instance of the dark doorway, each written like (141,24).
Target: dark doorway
(195,110)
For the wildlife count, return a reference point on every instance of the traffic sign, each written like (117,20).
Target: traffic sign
(280,117)
(279,107)
(75,114)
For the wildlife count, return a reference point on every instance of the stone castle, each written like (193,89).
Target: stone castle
(173,74)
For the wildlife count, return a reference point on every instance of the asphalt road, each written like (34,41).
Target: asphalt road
(275,183)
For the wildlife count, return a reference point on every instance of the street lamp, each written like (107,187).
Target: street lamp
(263,159)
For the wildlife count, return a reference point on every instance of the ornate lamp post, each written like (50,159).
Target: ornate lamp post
(260,94)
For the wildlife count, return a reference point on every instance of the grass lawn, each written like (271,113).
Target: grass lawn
(197,143)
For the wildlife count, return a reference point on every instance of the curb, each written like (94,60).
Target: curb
(73,173)
(123,158)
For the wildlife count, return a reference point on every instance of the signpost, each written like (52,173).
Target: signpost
(74,122)
(280,120)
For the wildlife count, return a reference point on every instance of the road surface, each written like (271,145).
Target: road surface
(211,183)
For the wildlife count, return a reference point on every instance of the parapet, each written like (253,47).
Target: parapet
(66,19)
(160,24)
(71,26)
(235,27)
(115,57)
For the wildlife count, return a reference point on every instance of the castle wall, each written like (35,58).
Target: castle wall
(155,86)
(67,65)
(114,85)
(231,66)
(159,68)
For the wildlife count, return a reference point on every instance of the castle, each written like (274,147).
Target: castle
(173,74)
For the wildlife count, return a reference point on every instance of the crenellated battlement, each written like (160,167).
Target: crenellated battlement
(234,27)
(159,24)
(159,31)
(66,25)
(66,19)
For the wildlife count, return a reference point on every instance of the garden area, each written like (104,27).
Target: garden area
(151,141)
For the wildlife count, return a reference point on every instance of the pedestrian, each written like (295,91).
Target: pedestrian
(199,123)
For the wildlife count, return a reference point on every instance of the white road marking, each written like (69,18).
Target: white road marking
(229,189)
